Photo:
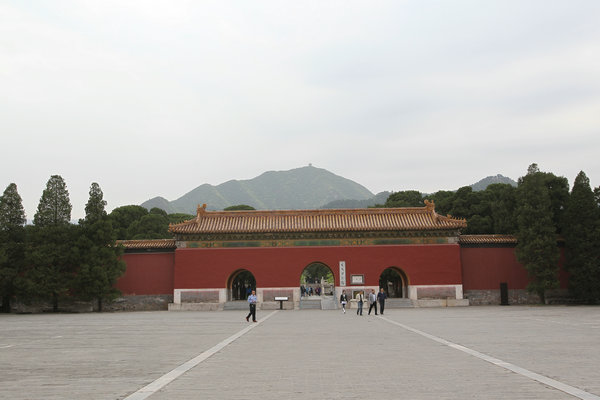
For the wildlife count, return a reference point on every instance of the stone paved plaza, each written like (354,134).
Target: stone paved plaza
(435,353)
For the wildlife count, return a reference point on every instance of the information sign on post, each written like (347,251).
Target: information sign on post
(342,273)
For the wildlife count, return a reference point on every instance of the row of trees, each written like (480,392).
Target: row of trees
(539,211)
(136,222)
(53,258)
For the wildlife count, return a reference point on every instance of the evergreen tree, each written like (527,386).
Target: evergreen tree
(94,208)
(503,203)
(100,264)
(51,261)
(154,225)
(12,238)
(12,213)
(406,198)
(177,218)
(54,207)
(151,226)
(581,230)
(558,190)
(238,207)
(537,246)
(122,218)
(51,257)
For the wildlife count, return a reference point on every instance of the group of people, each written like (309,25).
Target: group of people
(360,300)
(309,291)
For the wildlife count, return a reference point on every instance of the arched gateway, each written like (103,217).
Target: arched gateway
(278,246)
(394,281)
(317,279)
(240,285)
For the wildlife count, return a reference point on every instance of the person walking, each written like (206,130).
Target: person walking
(252,303)
(372,301)
(381,296)
(343,301)
(360,298)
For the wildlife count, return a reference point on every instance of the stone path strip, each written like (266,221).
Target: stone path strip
(170,376)
(581,394)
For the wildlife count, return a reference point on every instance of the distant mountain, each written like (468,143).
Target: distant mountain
(379,198)
(160,202)
(300,188)
(485,182)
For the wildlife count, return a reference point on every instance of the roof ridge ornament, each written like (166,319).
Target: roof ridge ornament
(200,211)
(430,207)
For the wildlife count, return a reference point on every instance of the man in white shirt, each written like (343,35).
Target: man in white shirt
(252,303)
(360,298)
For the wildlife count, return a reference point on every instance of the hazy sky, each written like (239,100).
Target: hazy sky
(153,98)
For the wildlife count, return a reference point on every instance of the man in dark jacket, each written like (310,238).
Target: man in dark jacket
(372,301)
(381,296)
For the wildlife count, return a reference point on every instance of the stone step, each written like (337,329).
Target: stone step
(398,303)
(310,304)
(328,303)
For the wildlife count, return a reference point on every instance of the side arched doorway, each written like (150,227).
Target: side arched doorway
(395,283)
(241,283)
(317,279)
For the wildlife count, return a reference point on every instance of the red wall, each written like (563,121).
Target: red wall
(484,268)
(147,273)
(282,267)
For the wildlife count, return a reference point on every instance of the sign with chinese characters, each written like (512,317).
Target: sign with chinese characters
(357,279)
(342,273)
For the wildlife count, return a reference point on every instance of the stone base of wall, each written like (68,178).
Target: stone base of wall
(492,297)
(124,303)
(65,306)
(158,302)
(450,302)
(457,302)
(196,307)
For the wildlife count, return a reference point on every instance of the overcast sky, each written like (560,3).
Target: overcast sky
(153,98)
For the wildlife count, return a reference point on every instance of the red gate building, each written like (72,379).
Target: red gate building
(214,256)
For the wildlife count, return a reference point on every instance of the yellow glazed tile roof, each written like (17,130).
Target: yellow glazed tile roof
(367,219)
(148,244)
(487,239)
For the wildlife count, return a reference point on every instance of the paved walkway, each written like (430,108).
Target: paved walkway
(445,353)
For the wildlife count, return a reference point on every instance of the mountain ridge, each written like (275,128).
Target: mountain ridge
(490,180)
(305,187)
(299,188)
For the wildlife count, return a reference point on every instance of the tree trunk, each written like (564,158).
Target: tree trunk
(99,304)
(54,302)
(5,304)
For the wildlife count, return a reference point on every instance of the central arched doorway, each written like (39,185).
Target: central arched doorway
(240,285)
(317,280)
(394,282)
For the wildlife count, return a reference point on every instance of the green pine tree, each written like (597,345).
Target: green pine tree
(54,207)
(12,239)
(100,263)
(51,257)
(122,218)
(537,240)
(582,239)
